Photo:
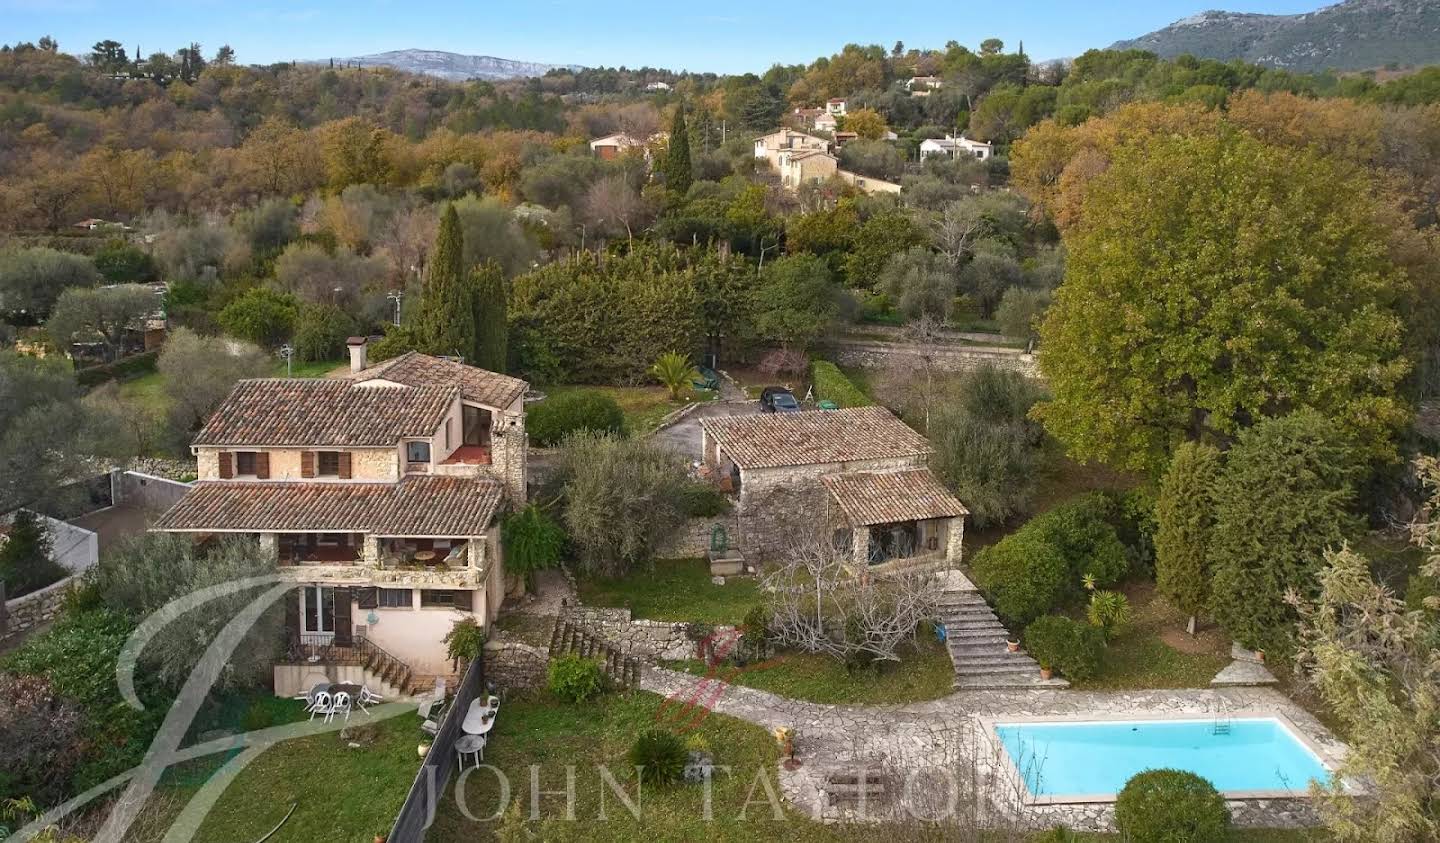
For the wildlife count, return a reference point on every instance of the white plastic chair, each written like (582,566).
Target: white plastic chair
(341,705)
(323,705)
(368,698)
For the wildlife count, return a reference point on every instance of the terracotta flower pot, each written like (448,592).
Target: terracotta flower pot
(1045,673)
(1012,646)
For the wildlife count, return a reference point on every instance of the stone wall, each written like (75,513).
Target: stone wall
(946,358)
(146,491)
(645,639)
(692,540)
(512,664)
(24,614)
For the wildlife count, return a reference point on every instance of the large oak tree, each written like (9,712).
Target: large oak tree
(1213,281)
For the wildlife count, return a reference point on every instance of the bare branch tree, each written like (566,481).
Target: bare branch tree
(821,605)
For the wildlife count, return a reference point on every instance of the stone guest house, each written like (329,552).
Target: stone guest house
(378,492)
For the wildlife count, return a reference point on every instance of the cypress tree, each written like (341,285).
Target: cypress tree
(678,174)
(447,317)
(1185,516)
(491,339)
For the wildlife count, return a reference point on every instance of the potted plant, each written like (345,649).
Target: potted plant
(1012,645)
(1045,671)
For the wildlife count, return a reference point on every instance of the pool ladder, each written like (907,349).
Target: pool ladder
(1221,726)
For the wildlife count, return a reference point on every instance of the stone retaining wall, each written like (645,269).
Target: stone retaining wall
(512,664)
(23,614)
(646,639)
(692,540)
(946,358)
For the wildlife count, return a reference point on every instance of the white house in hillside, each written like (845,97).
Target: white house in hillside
(836,106)
(825,122)
(921,86)
(953,146)
(658,86)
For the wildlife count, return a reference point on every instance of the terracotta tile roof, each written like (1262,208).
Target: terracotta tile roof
(416,506)
(324,411)
(815,437)
(885,497)
(475,384)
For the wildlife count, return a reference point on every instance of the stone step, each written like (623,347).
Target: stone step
(983,643)
(1002,661)
(975,625)
(873,775)
(1006,682)
(985,651)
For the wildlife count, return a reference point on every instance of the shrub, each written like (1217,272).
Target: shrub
(832,385)
(575,679)
(261,315)
(1109,612)
(27,560)
(557,417)
(321,331)
(1171,806)
(1070,647)
(782,362)
(622,498)
(40,740)
(533,541)
(661,755)
(1082,531)
(702,500)
(122,263)
(465,640)
(1025,575)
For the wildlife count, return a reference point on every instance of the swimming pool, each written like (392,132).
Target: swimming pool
(1092,760)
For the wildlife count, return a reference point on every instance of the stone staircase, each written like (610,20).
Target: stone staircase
(978,643)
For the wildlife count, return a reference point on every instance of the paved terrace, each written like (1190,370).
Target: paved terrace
(919,740)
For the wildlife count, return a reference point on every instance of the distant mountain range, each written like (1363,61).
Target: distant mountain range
(1353,35)
(455,67)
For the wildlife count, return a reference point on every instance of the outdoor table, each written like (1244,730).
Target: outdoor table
(479,719)
(470,745)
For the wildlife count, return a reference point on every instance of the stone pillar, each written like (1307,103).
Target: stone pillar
(954,539)
(510,455)
(369,551)
(270,547)
(861,547)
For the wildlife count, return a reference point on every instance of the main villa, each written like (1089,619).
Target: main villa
(378,492)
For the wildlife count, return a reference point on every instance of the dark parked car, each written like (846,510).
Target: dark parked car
(778,399)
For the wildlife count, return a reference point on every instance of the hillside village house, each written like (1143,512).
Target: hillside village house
(921,86)
(836,106)
(770,146)
(378,492)
(613,146)
(805,166)
(886,509)
(956,147)
(825,122)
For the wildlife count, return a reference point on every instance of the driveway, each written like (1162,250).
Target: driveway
(684,436)
(115,524)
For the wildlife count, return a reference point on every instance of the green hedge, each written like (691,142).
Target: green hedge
(129,367)
(558,416)
(831,385)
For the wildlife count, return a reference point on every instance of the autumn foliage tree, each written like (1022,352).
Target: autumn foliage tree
(1214,280)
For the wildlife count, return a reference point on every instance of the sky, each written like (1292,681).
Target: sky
(671,33)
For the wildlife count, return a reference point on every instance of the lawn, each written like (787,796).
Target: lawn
(1155,651)
(674,590)
(551,735)
(925,673)
(340,793)
(148,390)
(644,406)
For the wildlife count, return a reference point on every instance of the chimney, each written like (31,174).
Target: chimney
(357,353)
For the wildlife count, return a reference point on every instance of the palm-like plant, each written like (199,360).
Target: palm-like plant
(675,372)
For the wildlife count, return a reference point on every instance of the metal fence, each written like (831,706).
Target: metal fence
(433,778)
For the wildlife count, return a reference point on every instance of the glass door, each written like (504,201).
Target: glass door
(317,615)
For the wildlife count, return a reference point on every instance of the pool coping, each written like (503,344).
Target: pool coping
(1016,779)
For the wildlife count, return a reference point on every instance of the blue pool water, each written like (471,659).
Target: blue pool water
(1097,758)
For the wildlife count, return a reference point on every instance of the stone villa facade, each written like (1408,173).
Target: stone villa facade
(861,473)
(378,492)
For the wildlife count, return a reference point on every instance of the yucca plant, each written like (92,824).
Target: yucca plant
(675,372)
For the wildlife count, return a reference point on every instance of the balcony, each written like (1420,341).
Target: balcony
(300,549)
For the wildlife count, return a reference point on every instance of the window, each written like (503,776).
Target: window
(245,462)
(395,598)
(447,435)
(327,463)
(417,452)
(437,598)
